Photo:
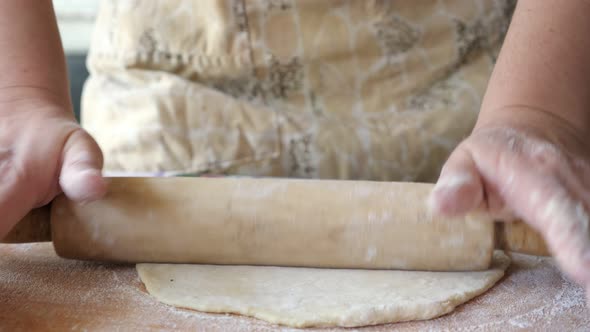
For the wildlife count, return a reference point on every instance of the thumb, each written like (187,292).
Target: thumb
(81,177)
(459,188)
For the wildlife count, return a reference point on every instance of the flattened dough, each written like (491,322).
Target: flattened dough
(303,297)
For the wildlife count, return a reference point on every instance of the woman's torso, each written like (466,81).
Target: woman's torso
(379,90)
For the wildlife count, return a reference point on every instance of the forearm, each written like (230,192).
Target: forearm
(32,63)
(544,65)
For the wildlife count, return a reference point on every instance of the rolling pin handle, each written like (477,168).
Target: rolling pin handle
(34,227)
(518,237)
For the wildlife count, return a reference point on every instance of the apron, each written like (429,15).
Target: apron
(336,89)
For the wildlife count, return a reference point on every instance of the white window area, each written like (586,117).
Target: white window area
(76,20)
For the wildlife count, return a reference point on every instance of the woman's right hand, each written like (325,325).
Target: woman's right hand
(43,152)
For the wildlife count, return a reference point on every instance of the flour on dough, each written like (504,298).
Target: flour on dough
(304,297)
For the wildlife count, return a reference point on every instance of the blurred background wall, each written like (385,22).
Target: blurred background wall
(76,20)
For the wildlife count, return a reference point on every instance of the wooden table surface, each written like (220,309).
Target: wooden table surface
(42,292)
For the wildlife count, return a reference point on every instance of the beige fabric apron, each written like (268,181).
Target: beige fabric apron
(348,89)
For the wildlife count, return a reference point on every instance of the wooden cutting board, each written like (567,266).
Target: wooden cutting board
(40,291)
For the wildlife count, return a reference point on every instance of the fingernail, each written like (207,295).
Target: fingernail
(84,173)
(452,181)
(81,184)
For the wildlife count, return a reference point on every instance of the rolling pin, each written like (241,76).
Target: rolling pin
(282,222)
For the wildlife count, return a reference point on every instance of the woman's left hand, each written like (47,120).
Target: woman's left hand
(537,171)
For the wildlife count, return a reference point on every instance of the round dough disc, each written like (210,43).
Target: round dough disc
(304,297)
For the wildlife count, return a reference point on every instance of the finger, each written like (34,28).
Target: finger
(81,176)
(553,209)
(564,224)
(459,188)
(495,205)
(578,178)
(15,198)
(528,183)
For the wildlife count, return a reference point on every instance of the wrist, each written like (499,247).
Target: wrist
(535,121)
(40,100)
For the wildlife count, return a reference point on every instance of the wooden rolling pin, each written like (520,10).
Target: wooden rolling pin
(284,222)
